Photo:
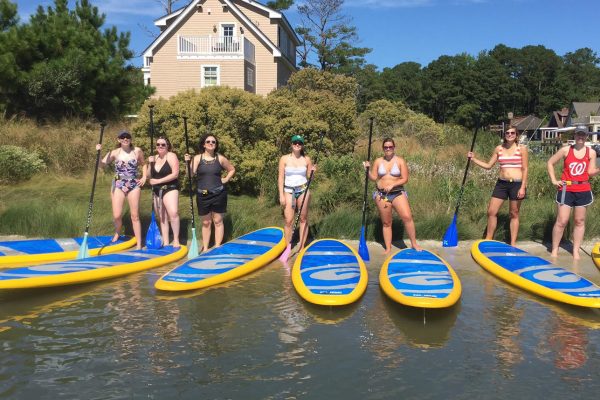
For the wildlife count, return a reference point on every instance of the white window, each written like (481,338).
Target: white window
(250,76)
(210,75)
(228,30)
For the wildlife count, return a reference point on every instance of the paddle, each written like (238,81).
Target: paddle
(363,250)
(83,249)
(451,236)
(193,249)
(288,249)
(153,238)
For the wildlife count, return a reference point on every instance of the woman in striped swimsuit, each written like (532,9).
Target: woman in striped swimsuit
(512,182)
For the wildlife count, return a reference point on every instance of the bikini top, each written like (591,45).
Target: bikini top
(395,171)
(295,176)
(514,161)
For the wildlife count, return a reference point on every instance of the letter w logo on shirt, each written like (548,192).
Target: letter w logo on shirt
(577,168)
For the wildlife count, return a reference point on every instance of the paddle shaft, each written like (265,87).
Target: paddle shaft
(462,186)
(91,204)
(189,170)
(364,210)
(322,135)
(151,149)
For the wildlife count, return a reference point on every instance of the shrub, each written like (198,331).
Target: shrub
(17,164)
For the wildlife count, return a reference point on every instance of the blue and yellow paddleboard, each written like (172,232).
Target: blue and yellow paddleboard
(419,279)
(224,263)
(535,274)
(35,251)
(330,273)
(596,254)
(90,269)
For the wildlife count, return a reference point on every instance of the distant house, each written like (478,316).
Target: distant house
(236,43)
(579,113)
(527,126)
(558,120)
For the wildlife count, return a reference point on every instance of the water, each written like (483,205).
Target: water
(256,339)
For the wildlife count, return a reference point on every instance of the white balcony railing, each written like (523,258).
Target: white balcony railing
(594,119)
(210,45)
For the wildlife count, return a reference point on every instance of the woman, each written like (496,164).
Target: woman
(391,174)
(511,184)
(126,184)
(164,173)
(574,189)
(292,179)
(211,196)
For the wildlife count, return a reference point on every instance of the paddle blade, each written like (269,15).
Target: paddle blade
(153,238)
(193,249)
(286,254)
(83,249)
(363,250)
(451,236)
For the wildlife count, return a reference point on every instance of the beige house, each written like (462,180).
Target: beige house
(237,43)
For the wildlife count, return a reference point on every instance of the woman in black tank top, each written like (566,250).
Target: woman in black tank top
(211,192)
(164,173)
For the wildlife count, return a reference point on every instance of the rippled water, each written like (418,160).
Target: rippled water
(256,339)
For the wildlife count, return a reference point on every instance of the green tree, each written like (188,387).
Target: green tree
(8,15)
(62,64)
(581,75)
(280,5)
(328,35)
(403,82)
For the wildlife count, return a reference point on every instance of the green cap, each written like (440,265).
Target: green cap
(297,138)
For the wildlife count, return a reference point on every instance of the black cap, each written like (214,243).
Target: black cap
(123,135)
(582,129)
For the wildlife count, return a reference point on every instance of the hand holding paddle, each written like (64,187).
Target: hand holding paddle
(83,249)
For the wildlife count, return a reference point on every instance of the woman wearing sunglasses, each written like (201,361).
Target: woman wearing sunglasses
(211,192)
(574,191)
(511,184)
(391,174)
(293,173)
(164,173)
(126,185)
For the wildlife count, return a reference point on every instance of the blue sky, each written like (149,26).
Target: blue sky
(411,30)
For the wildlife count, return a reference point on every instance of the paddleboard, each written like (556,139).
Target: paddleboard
(90,269)
(535,274)
(419,279)
(596,254)
(226,262)
(328,272)
(35,251)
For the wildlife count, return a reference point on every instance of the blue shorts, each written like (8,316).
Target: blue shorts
(575,199)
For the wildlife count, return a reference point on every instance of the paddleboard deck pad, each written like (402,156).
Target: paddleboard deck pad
(90,269)
(233,259)
(419,279)
(35,251)
(535,274)
(329,272)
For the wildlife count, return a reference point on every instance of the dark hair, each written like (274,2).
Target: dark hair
(388,139)
(169,147)
(203,139)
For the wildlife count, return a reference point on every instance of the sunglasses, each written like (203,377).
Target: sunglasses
(510,133)
(161,145)
(125,137)
(210,142)
(298,143)
(389,147)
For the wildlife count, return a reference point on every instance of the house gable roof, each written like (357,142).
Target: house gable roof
(184,12)
(583,111)
(162,21)
(526,123)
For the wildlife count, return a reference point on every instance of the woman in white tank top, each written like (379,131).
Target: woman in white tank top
(294,169)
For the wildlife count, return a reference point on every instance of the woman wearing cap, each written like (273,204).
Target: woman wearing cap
(164,173)
(126,185)
(574,189)
(513,160)
(294,169)
(211,192)
(391,174)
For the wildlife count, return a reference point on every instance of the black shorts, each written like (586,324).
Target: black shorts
(212,202)
(575,199)
(507,190)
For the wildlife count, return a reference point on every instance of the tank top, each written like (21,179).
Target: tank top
(295,176)
(514,161)
(576,170)
(162,172)
(208,174)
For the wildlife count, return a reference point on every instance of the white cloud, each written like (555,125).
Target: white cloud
(116,9)
(407,3)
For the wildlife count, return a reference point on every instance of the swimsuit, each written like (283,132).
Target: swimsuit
(295,182)
(211,195)
(161,189)
(396,190)
(514,161)
(125,175)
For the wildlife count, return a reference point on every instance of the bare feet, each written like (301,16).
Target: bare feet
(115,238)
(554,253)
(417,247)
(576,255)
(387,251)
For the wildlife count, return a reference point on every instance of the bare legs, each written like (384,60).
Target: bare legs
(400,204)
(168,215)
(562,219)
(133,198)
(289,215)
(207,221)
(492,222)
